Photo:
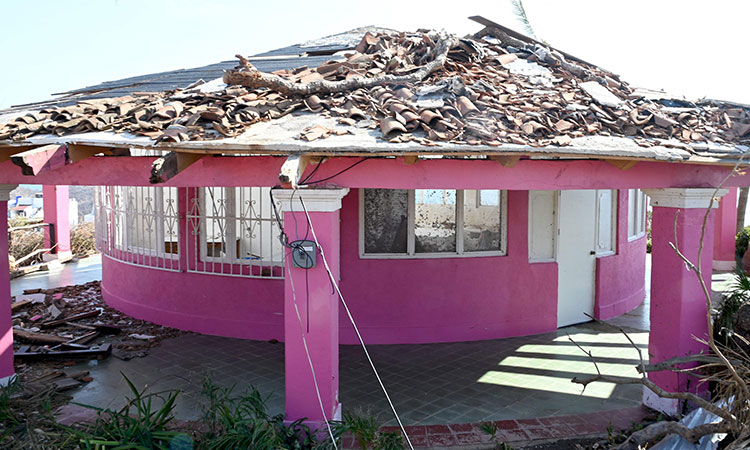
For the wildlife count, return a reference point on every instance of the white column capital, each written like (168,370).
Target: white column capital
(316,200)
(5,191)
(685,198)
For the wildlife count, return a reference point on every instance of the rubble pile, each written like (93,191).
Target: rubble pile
(492,89)
(55,327)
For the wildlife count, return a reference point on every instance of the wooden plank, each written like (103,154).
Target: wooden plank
(54,323)
(15,306)
(35,161)
(170,165)
(622,164)
(292,170)
(99,351)
(508,161)
(410,159)
(7,152)
(37,338)
(78,152)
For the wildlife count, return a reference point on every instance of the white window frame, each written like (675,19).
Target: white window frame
(637,212)
(613,223)
(410,240)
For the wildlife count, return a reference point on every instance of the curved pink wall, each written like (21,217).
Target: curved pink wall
(620,278)
(392,300)
(248,308)
(447,299)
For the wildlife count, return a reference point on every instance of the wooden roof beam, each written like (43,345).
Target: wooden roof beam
(171,164)
(41,159)
(622,164)
(508,161)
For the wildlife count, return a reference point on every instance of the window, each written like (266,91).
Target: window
(146,220)
(606,222)
(236,225)
(636,214)
(432,222)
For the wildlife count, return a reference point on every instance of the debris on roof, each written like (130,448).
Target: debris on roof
(492,89)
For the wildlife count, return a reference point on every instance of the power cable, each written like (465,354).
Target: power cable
(351,319)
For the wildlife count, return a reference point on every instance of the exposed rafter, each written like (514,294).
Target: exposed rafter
(171,164)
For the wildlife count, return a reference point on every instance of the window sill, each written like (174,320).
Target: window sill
(431,255)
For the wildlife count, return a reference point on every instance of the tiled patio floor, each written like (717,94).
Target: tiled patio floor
(430,384)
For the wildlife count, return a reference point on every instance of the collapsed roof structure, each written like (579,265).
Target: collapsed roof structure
(383,92)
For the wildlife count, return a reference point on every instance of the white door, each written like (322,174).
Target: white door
(576,256)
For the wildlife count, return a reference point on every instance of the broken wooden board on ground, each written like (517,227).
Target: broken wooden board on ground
(99,351)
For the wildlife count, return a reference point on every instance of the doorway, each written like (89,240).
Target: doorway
(576,256)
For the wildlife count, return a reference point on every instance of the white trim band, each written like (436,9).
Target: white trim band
(316,200)
(686,198)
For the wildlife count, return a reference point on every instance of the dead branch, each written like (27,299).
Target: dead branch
(689,396)
(250,77)
(660,429)
(669,364)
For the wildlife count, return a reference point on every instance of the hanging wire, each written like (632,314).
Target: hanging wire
(351,319)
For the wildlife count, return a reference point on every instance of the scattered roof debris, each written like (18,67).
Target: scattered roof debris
(491,89)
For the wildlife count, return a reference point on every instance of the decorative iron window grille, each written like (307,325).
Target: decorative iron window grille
(139,225)
(232,231)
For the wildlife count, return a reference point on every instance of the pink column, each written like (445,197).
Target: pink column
(311,308)
(726,231)
(678,306)
(7,372)
(56,212)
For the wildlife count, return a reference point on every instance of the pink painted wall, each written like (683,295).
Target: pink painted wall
(56,204)
(6,327)
(392,300)
(447,299)
(620,278)
(678,306)
(212,304)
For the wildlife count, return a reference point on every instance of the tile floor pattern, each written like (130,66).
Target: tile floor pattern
(462,382)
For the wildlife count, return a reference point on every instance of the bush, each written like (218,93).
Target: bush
(23,242)
(83,239)
(741,242)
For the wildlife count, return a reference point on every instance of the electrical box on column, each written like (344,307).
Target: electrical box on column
(303,254)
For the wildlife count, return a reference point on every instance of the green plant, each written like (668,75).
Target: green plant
(366,430)
(649,219)
(741,241)
(9,419)
(244,422)
(491,429)
(737,295)
(137,425)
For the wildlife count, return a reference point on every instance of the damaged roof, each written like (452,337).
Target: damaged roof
(381,92)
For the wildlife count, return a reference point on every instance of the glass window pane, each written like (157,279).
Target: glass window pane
(482,220)
(435,223)
(385,220)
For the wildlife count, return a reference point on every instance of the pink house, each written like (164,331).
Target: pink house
(501,194)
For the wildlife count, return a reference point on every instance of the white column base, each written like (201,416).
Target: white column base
(5,381)
(668,406)
(724,266)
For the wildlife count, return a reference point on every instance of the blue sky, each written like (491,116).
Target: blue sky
(690,47)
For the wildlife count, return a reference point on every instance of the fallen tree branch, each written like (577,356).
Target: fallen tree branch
(689,396)
(661,429)
(250,77)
